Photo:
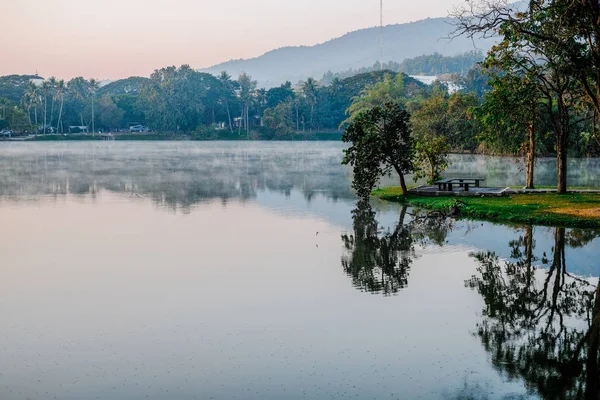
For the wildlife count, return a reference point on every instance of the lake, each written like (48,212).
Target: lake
(243,270)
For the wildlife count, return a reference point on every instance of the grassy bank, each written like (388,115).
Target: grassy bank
(580,210)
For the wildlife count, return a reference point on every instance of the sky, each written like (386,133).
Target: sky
(112,39)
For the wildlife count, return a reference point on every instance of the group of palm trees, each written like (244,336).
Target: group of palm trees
(247,94)
(37,95)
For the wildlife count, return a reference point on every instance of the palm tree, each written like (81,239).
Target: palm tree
(247,89)
(225,80)
(31,99)
(60,92)
(309,89)
(45,89)
(52,81)
(79,89)
(94,85)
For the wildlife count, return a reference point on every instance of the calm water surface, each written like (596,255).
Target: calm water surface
(249,271)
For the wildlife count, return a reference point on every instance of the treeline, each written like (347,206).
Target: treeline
(431,65)
(182,100)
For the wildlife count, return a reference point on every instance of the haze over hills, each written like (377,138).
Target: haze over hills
(353,50)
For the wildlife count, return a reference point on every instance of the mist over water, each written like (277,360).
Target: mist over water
(249,270)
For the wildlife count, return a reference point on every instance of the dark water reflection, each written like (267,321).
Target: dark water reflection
(379,260)
(541,324)
(270,281)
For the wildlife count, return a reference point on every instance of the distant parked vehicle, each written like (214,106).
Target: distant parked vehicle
(6,132)
(138,128)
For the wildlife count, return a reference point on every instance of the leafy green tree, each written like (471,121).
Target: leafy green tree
(280,120)
(510,113)
(463,127)
(110,116)
(390,89)
(380,141)
(280,94)
(430,130)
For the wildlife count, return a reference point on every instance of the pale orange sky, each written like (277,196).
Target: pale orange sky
(111,39)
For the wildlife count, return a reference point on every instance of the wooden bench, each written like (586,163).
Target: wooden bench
(446,184)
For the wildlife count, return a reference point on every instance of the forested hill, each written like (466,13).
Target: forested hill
(353,50)
(12,87)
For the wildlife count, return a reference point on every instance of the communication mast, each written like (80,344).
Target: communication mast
(381,34)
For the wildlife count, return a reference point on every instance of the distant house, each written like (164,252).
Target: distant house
(78,129)
(256,121)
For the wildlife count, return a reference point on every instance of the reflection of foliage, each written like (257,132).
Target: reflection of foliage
(545,332)
(379,260)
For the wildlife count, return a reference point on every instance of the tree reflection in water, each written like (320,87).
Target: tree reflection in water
(378,260)
(541,325)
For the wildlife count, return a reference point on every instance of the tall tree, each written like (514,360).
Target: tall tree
(45,89)
(227,94)
(53,82)
(510,114)
(309,90)
(380,141)
(246,94)
(94,85)
(60,92)
(79,91)
(430,132)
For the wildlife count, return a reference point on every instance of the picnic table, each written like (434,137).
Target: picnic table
(446,184)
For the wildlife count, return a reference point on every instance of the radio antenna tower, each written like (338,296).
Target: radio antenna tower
(381,34)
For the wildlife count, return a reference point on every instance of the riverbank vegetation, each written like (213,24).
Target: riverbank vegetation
(538,91)
(570,210)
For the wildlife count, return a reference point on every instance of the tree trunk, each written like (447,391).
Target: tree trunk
(229,116)
(530,157)
(93,126)
(312,112)
(402,183)
(45,112)
(52,111)
(561,161)
(62,101)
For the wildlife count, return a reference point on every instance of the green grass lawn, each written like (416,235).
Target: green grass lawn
(554,187)
(571,210)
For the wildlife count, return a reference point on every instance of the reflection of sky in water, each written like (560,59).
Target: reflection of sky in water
(194,271)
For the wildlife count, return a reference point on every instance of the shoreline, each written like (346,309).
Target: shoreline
(571,210)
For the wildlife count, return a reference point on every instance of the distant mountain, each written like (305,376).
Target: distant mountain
(353,50)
